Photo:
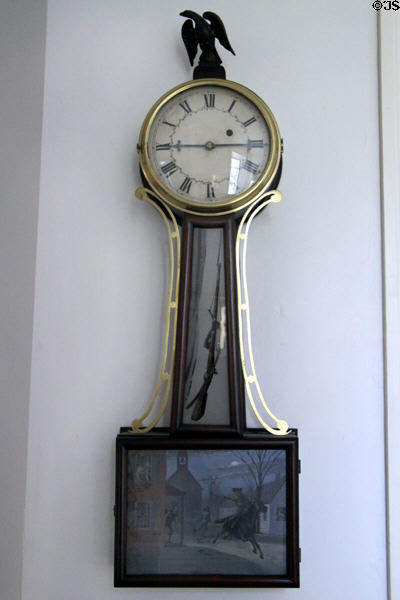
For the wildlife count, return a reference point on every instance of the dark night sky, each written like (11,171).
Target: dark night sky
(205,463)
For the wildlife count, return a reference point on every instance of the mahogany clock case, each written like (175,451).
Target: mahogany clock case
(207,502)
(206,511)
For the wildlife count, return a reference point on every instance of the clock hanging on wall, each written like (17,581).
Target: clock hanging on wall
(208,501)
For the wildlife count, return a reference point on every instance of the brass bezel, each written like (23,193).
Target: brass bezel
(236,203)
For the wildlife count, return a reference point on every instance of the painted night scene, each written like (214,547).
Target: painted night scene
(195,512)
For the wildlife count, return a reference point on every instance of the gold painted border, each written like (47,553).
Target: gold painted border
(223,207)
(163,386)
(249,371)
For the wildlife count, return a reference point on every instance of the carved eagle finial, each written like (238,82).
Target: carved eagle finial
(203,33)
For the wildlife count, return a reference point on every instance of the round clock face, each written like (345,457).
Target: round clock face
(208,145)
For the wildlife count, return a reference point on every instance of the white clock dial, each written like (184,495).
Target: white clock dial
(209,144)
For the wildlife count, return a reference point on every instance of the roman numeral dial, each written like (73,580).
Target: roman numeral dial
(185,106)
(249,121)
(186,185)
(256,143)
(209,100)
(207,144)
(250,166)
(163,146)
(169,168)
(210,191)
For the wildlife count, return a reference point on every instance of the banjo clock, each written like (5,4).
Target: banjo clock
(208,501)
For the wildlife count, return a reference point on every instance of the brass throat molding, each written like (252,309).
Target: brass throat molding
(253,388)
(163,386)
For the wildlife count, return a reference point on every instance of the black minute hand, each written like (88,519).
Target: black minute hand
(232,144)
(178,145)
(212,145)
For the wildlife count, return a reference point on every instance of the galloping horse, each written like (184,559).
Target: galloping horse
(243,526)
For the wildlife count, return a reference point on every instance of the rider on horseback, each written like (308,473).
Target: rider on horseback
(242,525)
(242,505)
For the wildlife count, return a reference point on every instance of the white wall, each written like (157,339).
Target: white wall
(314,263)
(22,37)
(389,63)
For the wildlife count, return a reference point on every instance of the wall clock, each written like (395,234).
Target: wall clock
(208,501)
(210,146)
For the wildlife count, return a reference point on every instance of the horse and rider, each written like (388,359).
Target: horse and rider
(242,524)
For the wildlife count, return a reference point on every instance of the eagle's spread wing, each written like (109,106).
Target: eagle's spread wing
(219,30)
(189,39)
